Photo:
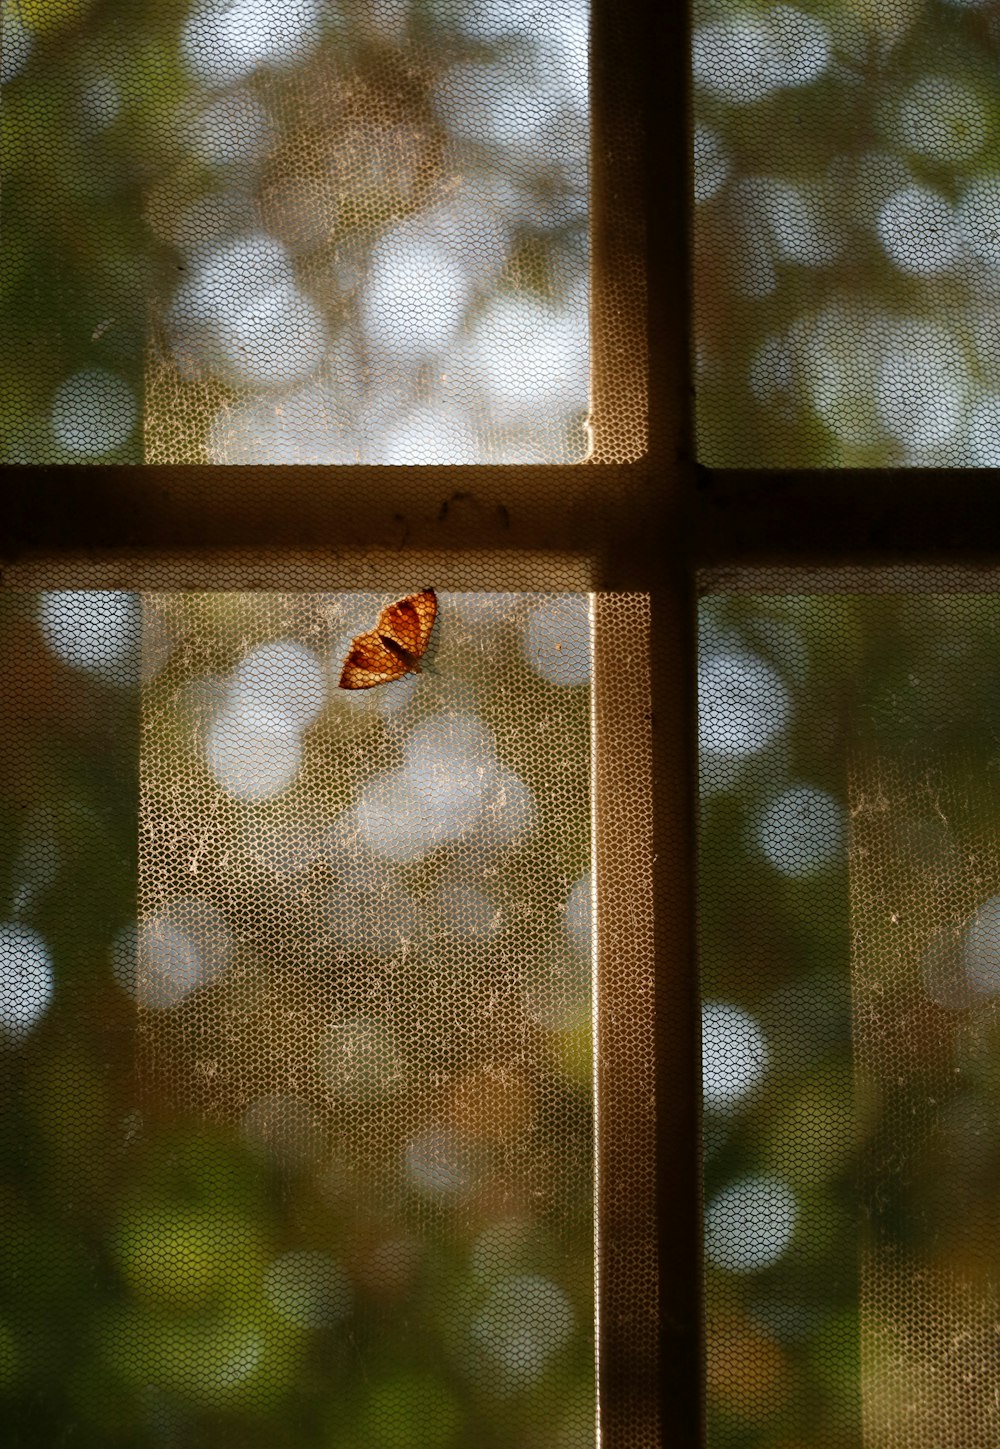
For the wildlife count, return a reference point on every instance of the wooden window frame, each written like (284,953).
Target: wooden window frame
(647,526)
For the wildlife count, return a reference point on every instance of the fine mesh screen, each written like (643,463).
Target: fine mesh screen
(295,1024)
(847,195)
(848,920)
(308,231)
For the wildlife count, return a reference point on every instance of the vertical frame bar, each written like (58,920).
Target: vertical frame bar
(628,1290)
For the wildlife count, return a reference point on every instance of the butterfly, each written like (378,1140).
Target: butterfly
(395,646)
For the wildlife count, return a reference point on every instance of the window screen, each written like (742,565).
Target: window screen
(848,908)
(847,195)
(317,231)
(296,1005)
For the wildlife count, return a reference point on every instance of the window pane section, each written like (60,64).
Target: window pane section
(297,997)
(847,193)
(848,902)
(781,1202)
(294,233)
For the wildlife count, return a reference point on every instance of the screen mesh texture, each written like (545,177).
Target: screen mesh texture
(316,231)
(296,1002)
(847,197)
(848,909)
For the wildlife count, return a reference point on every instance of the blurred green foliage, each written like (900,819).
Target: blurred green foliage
(847,163)
(192,198)
(79,266)
(881,1140)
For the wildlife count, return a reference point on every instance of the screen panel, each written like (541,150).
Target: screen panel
(297,991)
(848,726)
(304,233)
(847,190)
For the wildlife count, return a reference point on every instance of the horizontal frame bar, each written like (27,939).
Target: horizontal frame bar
(843,516)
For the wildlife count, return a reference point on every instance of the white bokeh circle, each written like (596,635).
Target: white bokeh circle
(557,640)
(278,688)
(225,41)
(750,1224)
(26,978)
(94,413)
(743,703)
(249,764)
(981,949)
(734,1054)
(92,629)
(801,831)
(578,916)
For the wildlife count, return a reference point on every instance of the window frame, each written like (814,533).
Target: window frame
(648,527)
(631,523)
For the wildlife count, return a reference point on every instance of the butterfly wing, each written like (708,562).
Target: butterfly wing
(369,663)
(409,621)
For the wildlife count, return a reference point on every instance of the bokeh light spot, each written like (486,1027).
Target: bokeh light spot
(96,630)
(801,831)
(734,1055)
(750,1224)
(93,413)
(557,640)
(26,978)
(742,703)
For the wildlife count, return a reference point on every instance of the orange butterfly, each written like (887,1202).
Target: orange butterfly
(395,646)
